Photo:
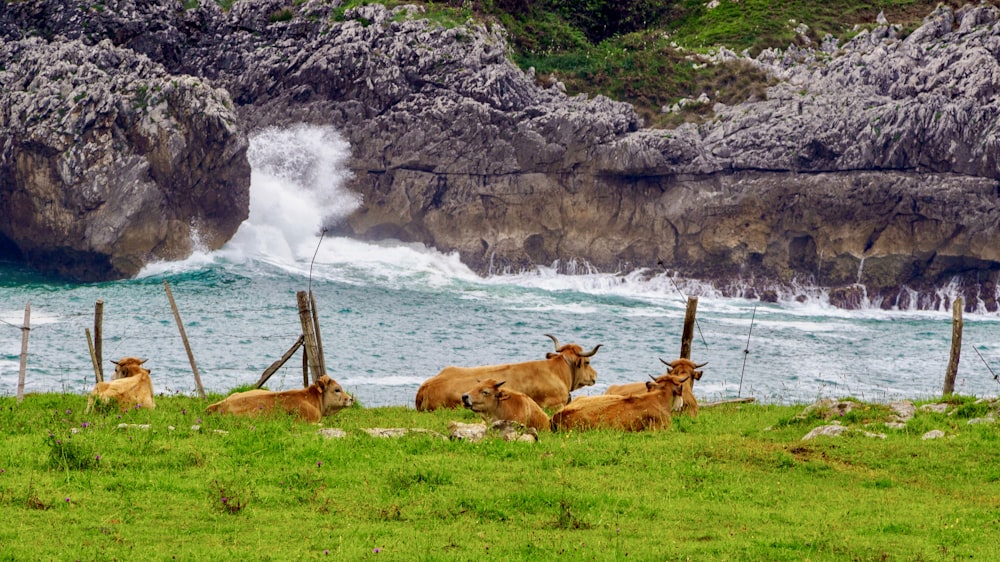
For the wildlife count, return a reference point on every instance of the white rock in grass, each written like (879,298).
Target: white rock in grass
(825,430)
(473,432)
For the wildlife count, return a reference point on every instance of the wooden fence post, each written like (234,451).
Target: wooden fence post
(312,350)
(305,366)
(187,346)
(25,328)
(277,364)
(956,347)
(98,338)
(688,335)
(93,357)
(319,338)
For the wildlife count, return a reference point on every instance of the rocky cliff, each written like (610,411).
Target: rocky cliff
(108,162)
(870,169)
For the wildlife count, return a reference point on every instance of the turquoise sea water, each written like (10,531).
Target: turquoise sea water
(394,314)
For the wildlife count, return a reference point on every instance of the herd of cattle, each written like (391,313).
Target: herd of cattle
(517,392)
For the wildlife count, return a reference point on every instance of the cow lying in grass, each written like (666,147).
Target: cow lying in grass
(130,387)
(325,397)
(548,382)
(638,412)
(686,401)
(494,404)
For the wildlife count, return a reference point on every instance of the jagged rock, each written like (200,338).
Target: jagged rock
(836,430)
(903,411)
(826,431)
(936,408)
(987,420)
(332,432)
(510,430)
(933,434)
(873,163)
(828,408)
(107,162)
(472,432)
(401,431)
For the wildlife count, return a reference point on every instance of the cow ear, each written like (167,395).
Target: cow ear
(550,355)
(649,385)
(698,374)
(502,395)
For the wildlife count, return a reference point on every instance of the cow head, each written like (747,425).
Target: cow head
(581,373)
(332,396)
(485,396)
(685,367)
(129,367)
(670,384)
(682,366)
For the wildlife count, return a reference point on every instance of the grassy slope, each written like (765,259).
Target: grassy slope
(735,484)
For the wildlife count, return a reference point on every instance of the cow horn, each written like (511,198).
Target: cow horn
(143,361)
(113,361)
(592,351)
(669,366)
(499,384)
(555,340)
(700,365)
(652,378)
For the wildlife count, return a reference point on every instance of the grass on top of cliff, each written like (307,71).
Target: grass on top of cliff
(645,52)
(737,483)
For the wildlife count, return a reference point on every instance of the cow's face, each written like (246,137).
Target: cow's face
(129,367)
(334,398)
(484,397)
(671,384)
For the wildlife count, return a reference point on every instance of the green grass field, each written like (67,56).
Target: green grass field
(738,483)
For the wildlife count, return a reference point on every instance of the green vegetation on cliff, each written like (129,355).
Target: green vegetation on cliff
(647,51)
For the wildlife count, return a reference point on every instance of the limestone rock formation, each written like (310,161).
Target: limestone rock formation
(107,162)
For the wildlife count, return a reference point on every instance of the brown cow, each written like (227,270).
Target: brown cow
(630,413)
(131,386)
(325,397)
(493,404)
(548,382)
(686,401)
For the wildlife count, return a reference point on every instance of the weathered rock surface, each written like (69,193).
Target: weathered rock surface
(871,168)
(108,162)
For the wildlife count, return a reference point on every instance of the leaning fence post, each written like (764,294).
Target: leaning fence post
(305,366)
(187,346)
(25,328)
(956,347)
(319,338)
(93,357)
(98,327)
(312,350)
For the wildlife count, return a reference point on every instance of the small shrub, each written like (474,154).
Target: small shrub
(281,15)
(227,498)
(67,453)
(567,520)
